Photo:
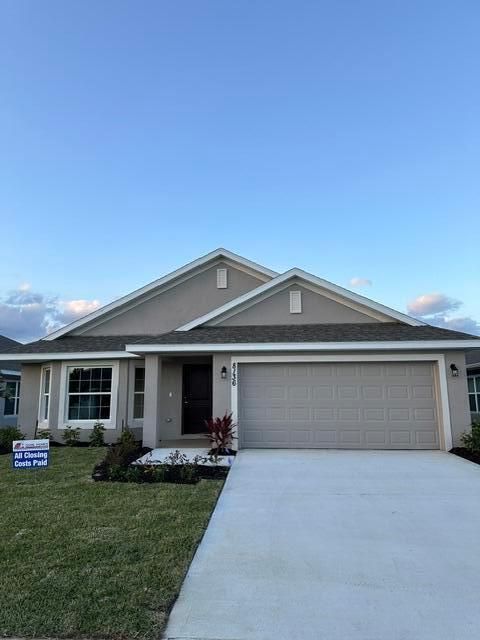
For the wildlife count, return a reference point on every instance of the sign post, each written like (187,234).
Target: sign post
(30,454)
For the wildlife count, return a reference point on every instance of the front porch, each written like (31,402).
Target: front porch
(180,393)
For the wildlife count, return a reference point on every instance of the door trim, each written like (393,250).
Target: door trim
(440,377)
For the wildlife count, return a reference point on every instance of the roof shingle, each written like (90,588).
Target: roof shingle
(367,332)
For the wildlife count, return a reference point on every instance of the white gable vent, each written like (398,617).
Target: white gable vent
(221,278)
(295,302)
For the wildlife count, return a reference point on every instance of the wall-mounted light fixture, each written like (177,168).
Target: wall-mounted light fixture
(454,370)
(223,373)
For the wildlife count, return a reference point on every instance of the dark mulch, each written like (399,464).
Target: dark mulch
(465,453)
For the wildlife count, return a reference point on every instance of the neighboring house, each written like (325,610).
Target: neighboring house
(473,373)
(10,382)
(299,361)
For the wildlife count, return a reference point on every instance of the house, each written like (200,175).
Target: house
(300,362)
(473,380)
(9,382)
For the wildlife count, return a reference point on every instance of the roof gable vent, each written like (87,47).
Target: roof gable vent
(295,302)
(222,281)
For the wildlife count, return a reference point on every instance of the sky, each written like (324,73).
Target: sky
(341,137)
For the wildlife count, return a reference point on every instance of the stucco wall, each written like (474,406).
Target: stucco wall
(170,409)
(178,305)
(316,309)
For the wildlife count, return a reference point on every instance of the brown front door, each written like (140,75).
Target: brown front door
(197,397)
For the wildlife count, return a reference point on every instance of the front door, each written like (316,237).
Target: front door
(197,397)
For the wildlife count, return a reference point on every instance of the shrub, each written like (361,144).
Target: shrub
(471,441)
(124,451)
(71,436)
(44,434)
(7,436)
(96,437)
(220,433)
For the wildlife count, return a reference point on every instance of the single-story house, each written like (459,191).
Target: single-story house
(473,381)
(299,361)
(9,385)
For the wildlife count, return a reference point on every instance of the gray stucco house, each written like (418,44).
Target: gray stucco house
(10,381)
(299,361)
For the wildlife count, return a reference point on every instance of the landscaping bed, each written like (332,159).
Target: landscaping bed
(94,559)
(463,452)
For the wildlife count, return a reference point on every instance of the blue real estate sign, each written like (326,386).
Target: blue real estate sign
(30,454)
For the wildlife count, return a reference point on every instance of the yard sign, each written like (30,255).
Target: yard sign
(30,454)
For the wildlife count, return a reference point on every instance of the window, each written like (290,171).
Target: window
(138,393)
(12,398)
(221,278)
(474,393)
(295,302)
(45,395)
(89,393)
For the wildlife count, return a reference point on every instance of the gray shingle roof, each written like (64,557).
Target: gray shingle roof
(248,334)
(7,343)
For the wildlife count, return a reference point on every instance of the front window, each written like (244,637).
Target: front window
(139,393)
(12,398)
(45,397)
(474,393)
(89,393)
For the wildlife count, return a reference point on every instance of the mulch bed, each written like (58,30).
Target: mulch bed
(465,453)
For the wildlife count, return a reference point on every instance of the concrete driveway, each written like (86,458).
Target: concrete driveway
(338,545)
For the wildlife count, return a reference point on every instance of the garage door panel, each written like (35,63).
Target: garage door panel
(343,405)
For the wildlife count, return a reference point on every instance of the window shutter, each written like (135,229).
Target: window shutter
(295,302)
(221,278)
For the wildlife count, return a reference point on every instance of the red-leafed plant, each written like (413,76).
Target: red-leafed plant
(220,433)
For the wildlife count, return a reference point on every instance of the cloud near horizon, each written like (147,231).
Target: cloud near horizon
(27,315)
(360,282)
(437,309)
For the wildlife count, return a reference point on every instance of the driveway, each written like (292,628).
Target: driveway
(338,545)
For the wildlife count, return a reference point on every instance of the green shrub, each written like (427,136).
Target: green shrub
(124,451)
(44,434)
(96,437)
(71,436)
(7,436)
(471,441)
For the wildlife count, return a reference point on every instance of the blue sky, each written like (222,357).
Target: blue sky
(341,137)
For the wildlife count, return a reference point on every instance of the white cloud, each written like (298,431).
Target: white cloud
(460,323)
(27,315)
(437,309)
(360,282)
(432,303)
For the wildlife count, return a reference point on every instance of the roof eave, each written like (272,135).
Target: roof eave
(383,345)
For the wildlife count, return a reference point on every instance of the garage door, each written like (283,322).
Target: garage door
(344,405)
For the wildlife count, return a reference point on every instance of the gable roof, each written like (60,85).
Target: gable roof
(161,282)
(369,307)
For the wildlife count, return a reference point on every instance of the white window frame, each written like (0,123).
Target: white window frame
(15,398)
(222,278)
(135,393)
(63,420)
(475,393)
(295,301)
(42,421)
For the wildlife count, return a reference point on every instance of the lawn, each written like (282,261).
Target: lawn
(94,559)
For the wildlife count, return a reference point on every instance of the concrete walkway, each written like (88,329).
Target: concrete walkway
(338,545)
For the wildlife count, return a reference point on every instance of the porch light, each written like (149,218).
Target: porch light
(223,373)
(454,370)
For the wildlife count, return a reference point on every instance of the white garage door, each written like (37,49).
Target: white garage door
(388,405)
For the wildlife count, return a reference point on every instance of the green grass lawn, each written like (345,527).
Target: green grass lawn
(94,559)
